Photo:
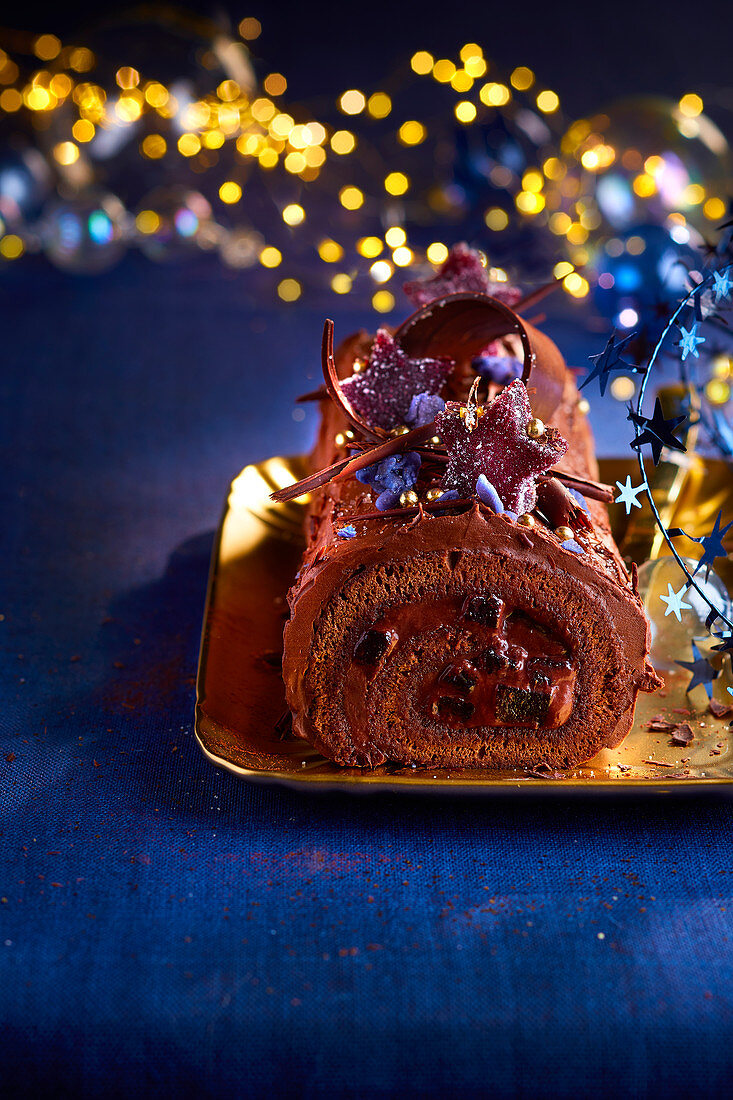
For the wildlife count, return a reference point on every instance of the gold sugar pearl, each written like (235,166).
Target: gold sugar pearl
(583,406)
(434,494)
(399,431)
(408,497)
(526,520)
(349,434)
(564,533)
(340,439)
(358,366)
(435,439)
(535,428)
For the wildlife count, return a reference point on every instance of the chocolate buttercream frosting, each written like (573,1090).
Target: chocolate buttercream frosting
(439,618)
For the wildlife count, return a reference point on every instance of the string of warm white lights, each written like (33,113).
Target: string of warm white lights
(242,130)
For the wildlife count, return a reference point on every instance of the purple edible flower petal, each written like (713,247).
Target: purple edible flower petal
(487,494)
(391,477)
(501,369)
(348,532)
(424,407)
(571,544)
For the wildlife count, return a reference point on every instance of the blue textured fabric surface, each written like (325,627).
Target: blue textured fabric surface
(166,927)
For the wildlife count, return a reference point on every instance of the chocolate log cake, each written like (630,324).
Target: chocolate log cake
(461,601)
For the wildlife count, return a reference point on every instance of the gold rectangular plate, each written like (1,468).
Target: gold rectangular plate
(240,694)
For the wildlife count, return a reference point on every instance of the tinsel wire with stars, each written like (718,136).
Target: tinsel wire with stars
(658,432)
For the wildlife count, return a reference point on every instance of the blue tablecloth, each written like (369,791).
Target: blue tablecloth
(166,928)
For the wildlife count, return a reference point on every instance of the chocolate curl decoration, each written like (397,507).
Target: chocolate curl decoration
(347,467)
(337,395)
(461,325)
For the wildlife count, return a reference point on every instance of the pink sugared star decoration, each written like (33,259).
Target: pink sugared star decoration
(381,393)
(461,271)
(492,440)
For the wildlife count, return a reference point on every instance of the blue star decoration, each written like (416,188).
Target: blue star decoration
(607,361)
(721,284)
(656,431)
(628,494)
(712,544)
(702,671)
(690,340)
(675,603)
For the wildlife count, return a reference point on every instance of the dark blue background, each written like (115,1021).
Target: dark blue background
(165,927)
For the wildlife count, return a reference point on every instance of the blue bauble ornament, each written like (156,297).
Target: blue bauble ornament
(85,234)
(641,274)
(25,183)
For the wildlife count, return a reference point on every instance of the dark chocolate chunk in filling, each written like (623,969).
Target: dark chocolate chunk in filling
(493,661)
(454,707)
(518,705)
(371,647)
(483,609)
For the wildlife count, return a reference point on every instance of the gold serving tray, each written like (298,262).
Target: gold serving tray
(240,695)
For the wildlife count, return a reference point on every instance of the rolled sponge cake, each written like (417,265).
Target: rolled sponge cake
(454,634)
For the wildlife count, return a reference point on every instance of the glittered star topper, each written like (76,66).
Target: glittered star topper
(493,440)
(656,431)
(461,271)
(383,390)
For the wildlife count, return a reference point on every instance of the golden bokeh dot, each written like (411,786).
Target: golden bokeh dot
(275,84)
(11,246)
(437,252)
(395,236)
(189,145)
(250,29)
(11,100)
(289,290)
(230,192)
(330,251)
(443,71)
(270,257)
(351,198)
(369,247)
(379,105)
(352,102)
(465,111)
(341,283)
(522,78)
(402,256)
(81,60)
(83,130)
(548,102)
(396,183)
(46,47)
(411,132)
(293,214)
(66,153)
(127,77)
(147,222)
(383,301)
(714,209)
(422,62)
(154,146)
(343,142)
(691,105)
(496,218)
(623,387)
(381,271)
